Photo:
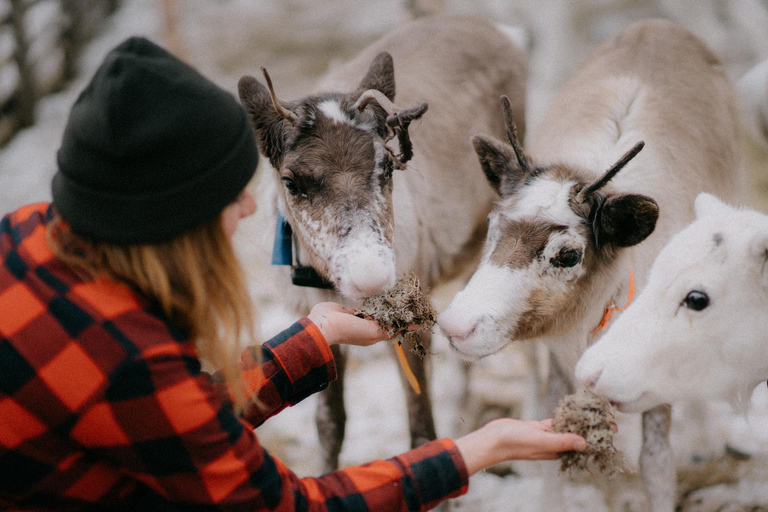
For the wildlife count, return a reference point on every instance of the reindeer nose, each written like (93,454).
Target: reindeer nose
(456,332)
(591,380)
(371,283)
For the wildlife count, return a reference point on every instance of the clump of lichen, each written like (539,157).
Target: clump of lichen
(592,417)
(403,306)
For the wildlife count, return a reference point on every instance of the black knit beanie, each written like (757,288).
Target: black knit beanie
(151,149)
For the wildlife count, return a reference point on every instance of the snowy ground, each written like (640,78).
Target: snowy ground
(297,40)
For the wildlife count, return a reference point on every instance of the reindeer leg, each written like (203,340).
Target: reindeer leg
(552,386)
(420,420)
(656,462)
(557,385)
(331,416)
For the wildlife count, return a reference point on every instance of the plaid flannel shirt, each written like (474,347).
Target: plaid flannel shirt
(103,405)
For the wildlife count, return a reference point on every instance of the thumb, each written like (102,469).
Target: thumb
(572,442)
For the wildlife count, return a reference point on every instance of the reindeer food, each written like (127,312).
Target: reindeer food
(396,309)
(591,417)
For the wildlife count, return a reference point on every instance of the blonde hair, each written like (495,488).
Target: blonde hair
(195,278)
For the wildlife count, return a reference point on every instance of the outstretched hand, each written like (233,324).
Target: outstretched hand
(339,325)
(508,439)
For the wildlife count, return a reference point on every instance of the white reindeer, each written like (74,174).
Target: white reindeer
(699,329)
(564,249)
(357,220)
(696,334)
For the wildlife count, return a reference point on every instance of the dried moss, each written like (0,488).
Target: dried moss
(591,417)
(402,306)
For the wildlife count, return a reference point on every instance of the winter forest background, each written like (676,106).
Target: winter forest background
(297,40)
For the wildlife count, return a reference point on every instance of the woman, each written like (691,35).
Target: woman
(111,295)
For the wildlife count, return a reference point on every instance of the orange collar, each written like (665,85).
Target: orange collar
(610,308)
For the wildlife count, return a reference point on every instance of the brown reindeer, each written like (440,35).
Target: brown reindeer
(363,210)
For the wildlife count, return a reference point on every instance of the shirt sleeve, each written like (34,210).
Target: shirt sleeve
(291,366)
(163,423)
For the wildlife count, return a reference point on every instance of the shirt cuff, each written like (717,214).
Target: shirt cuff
(437,470)
(305,357)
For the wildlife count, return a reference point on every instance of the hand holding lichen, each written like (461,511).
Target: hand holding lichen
(591,417)
(401,309)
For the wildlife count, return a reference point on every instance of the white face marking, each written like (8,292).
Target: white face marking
(332,110)
(365,264)
(478,318)
(544,199)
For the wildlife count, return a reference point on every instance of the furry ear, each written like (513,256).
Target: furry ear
(499,164)
(707,204)
(625,220)
(380,76)
(265,119)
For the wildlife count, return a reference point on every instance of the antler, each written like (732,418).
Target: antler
(610,173)
(284,112)
(397,122)
(506,109)
(377,96)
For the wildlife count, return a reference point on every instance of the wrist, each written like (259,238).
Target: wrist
(479,449)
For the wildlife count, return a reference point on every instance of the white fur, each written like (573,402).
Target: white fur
(752,91)
(544,199)
(479,315)
(661,351)
(365,264)
(332,110)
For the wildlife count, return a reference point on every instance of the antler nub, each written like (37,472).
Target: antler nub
(506,109)
(610,173)
(284,112)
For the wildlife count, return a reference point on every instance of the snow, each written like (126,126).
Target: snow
(297,40)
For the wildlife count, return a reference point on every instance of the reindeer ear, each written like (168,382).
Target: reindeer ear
(499,164)
(380,76)
(707,204)
(625,220)
(265,119)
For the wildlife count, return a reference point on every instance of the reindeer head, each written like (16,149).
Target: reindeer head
(697,331)
(334,171)
(552,233)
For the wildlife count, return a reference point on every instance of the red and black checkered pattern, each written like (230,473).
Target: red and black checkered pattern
(103,405)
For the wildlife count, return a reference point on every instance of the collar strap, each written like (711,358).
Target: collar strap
(282,249)
(282,254)
(610,308)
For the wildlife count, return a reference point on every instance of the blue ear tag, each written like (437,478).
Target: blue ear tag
(282,250)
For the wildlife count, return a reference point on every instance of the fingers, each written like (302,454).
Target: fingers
(546,424)
(569,442)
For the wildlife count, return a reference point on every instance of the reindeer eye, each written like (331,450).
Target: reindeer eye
(566,258)
(290,186)
(696,300)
